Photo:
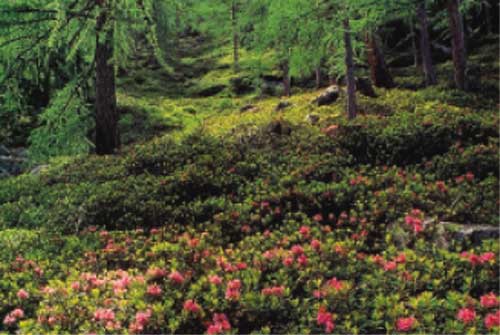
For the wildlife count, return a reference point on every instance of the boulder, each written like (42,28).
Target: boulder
(312,118)
(328,97)
(283,104)
(248,108)
(472,233)
(278,127)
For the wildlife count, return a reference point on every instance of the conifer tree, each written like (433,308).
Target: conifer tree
(98,30)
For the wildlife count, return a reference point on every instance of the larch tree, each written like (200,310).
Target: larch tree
(100,33)
(459,52)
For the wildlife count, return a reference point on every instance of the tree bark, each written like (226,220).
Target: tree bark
(414,47)
(286,79)
(425,47)
(106,116)
(318,77)
(487,14)
(378,68)
(236,38)
(351,80)
(457,44)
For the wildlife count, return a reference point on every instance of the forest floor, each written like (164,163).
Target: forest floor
(222,219)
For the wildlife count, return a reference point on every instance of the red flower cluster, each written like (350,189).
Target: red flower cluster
(13,316)
(492,320)
(466,315)
(154,290)
(141,320)
(325,319)
(219,325)
(191,306)
(405,324)
(276,291)
(477,259)
(489,300)
(176,277)
(233,289)
(414,219)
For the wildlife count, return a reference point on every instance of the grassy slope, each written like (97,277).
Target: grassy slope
(198,185)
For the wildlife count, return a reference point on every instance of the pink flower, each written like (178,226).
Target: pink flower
(492,320)
(335,284)
(486,257)
(220,324)
(297,250)
(405,324)
(176,277)
(390,266)
(305,231)
(466,315)
(325,319)
(155,273)
(276,291)
(469,176)
(302,260)
(318,217)
(17,313)
(104,314)
(9,320)
(191,306)
(441,186)
(401,258)
(75,286)
(288,261)
(22,294)
(142,318)
(489,300)
(214,279)
(316,245)
(154,231)
(154,290)
(233,289)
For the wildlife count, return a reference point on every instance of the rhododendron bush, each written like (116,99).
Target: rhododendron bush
(298,234)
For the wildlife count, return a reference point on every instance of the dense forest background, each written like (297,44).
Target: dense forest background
(63,62)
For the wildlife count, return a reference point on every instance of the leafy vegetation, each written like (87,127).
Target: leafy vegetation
(214,194)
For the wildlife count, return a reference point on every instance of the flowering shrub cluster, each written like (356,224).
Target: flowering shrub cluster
(298,234)
(300,277)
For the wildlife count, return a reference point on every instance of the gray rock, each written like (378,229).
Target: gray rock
(312,119)
(328,97)
(473,233)
(279,128)
(282,105)
(248,108)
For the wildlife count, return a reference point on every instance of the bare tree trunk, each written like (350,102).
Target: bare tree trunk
(487,14)
(414,45)
(106,116)
(425,47)
(318,77)
(378,68)
(286,79)
(236,37)
(457,44)
(351,80)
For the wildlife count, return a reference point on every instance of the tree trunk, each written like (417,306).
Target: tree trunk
(286,79)
(425,47)
(487,14)
(414,45)
(236,37)
(318,77)
(378,68)
(457,44)
(106,116)
(351,80)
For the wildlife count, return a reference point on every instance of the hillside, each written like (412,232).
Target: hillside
(195,195)
(263,216)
